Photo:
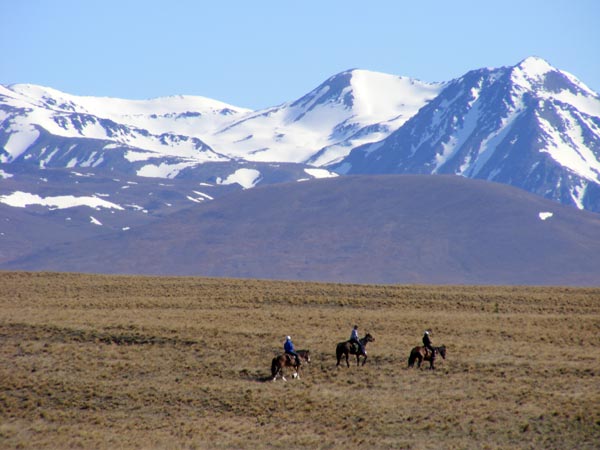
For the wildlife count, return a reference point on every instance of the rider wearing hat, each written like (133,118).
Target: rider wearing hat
(427,342)
(288,347)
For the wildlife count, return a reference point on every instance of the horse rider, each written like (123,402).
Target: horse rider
(427,342)
(288,347)
(354,338)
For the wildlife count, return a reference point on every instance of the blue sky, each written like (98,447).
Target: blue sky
(257,54)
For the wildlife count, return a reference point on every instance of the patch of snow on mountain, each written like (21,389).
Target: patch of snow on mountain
(587,104)
(458,138)
(578,193)
(568,149)
(95,221)
(320,173)
(203,195)
(545,215)
(489,144)
(164,170)
(4,175)
(20,199)
(379,96)
(135,156)
(20,140)
(247,178)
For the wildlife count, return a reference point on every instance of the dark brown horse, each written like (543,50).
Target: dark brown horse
(287,360)
(348,348)
(420,354)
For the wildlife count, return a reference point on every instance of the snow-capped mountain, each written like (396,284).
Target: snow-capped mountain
(531,126)
(347,110)
(48,128)
(162,137)
(528,125)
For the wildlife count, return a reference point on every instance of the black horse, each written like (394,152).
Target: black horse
(349,348)
(420,354)
(287,360)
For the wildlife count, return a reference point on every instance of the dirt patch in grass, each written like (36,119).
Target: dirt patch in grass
(149,362)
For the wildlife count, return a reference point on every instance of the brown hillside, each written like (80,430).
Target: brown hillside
(364,229)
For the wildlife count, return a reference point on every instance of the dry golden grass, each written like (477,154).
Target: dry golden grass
(149,362)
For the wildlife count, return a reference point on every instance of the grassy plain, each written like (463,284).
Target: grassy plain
(148,362)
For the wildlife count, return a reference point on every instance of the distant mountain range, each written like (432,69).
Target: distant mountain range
(529,125)
(77,169)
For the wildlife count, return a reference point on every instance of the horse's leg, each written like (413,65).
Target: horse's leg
(347,361)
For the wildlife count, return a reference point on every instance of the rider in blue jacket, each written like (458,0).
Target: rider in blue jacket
(288,347)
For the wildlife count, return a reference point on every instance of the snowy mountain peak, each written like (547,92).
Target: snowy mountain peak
(369,93)
(531,73)
(536,74)
(535,66)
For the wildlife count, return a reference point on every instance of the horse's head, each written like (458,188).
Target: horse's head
(442,351)
(369,338)
(304,354)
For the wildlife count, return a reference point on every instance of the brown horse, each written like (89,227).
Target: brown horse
(421,354)
(348,348)
(287,360)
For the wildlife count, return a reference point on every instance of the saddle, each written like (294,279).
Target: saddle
(291,359)
(354,347)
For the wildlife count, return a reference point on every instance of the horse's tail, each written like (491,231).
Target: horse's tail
(339,351)
(411,359)
(274,367)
